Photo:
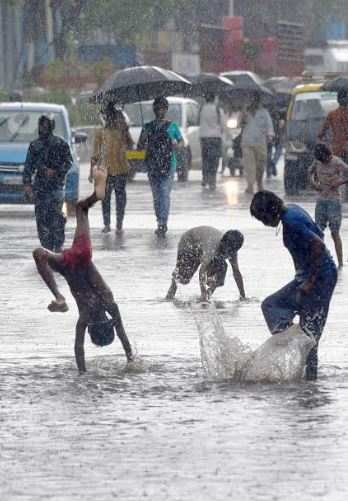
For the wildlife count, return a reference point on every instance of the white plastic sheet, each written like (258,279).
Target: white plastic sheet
(279,359)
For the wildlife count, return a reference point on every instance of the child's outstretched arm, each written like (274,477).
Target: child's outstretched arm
(203,283)
(237,276)
(79,345)
(172,290)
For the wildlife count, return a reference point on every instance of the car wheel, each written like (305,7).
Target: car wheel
(291,178)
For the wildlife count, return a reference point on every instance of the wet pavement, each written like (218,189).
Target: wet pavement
(160,431)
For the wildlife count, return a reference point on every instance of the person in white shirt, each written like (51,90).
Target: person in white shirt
(211,132)
(258,131)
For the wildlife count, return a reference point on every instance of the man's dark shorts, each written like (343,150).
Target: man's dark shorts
(80,254)
(328,212)
(187,263)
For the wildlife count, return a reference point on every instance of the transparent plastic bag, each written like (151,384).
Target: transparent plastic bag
(279,359)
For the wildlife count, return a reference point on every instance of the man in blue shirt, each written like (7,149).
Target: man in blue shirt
(309,294)
(160,138)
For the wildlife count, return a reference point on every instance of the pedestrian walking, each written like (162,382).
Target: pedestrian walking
(275,147)
(211,131)
(48,161)
(309,293)
(327,174)
(258,132)
(279,138)
(335,129)
(111,143)
(160,138)
(207,248)
(98,311)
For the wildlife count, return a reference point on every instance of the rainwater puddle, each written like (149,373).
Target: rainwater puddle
(160,429)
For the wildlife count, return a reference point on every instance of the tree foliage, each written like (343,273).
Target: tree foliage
(124,19)
(128,19)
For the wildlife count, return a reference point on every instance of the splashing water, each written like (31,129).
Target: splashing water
(222,357)
(281,358)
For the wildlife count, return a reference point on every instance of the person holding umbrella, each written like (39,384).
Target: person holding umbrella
(110,149)
(159,139)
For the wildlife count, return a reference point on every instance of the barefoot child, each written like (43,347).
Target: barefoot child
(93,297)
(327,174)
(207,248)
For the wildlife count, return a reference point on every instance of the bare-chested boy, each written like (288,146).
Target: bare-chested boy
(97,308)
(207,248)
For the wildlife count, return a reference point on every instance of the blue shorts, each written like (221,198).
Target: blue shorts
(328,212)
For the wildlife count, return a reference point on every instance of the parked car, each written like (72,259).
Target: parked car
(183,111)
(18,127)
(308,108)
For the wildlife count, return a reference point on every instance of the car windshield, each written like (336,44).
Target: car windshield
(20,126)
(313,105)
(307,115)
(141,113)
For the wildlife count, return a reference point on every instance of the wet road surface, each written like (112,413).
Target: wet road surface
(159,430)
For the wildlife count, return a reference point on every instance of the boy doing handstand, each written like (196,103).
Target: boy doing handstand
(98,311)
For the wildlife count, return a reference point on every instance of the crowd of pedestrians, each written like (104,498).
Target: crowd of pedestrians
(202,248)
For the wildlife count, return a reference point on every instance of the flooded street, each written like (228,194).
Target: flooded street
(159,430)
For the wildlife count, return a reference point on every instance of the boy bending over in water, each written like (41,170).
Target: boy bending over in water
(207,248)
(93,297)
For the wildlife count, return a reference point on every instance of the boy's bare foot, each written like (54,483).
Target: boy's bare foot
(58,305)
(99,175)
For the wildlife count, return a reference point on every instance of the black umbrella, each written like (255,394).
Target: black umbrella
(206,83)
(246,83)
(141,83)
(244,79)
(242,96)
(336,84)
(281,85)
(282,88)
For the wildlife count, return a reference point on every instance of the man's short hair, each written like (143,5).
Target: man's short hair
(49,120)
(265,202)
(231,242)
(210,97)
(255,96)
(160,102)
(322,152)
